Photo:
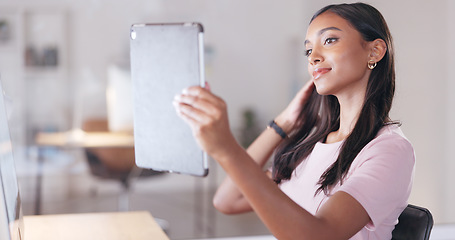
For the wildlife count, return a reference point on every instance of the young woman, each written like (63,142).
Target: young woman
(342,169)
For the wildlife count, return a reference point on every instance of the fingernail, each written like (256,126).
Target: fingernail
(185,91)
(178,98)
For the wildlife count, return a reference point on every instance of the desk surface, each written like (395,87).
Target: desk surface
(88,226)
(79,138)
(261,237)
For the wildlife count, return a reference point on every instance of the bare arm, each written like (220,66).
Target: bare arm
(228,198)
(339,218)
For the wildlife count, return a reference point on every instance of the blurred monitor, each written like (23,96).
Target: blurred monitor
(119,100)
(11,224)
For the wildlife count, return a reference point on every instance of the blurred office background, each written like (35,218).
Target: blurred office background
(58,57)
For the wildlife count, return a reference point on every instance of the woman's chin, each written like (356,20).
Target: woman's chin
(321,90)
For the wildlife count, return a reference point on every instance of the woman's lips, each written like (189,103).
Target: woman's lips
(318,72)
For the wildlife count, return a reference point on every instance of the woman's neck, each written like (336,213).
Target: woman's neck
(350,108)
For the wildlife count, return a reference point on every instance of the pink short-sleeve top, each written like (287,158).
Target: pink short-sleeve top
(380,179)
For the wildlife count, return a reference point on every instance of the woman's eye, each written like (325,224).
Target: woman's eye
(308,52)
(330,40)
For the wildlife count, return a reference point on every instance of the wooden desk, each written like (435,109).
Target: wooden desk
(79,138)
(96,226)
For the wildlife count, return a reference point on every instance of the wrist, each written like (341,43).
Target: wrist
(284,124)
(278,130)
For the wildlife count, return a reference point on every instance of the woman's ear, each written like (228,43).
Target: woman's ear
(378,50)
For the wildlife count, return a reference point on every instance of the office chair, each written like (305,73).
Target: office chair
(116,163)
(413,223)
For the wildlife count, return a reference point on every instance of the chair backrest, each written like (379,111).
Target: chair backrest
(414,223)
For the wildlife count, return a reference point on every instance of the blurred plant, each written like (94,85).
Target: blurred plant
(249,130)
(4,31)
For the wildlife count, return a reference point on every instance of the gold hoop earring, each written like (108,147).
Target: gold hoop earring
(372,64)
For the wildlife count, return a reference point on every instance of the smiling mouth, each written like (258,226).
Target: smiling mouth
(318,72)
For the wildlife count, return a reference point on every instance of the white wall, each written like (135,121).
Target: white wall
(252,42)
(254,65)
(421,103)
(450,108)
(255,46)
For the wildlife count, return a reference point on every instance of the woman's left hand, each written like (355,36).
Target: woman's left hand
(206,114)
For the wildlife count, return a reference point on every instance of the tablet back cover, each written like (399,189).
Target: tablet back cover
(165,58)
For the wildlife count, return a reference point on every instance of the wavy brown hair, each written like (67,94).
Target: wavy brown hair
(321,115)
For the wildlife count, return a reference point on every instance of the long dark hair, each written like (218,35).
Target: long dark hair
(321,115)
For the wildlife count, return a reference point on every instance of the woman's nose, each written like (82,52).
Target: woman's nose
(315,57)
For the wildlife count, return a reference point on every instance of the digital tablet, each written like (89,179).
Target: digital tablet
(165,59)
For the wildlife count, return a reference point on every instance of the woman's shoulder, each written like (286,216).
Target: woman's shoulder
(390,141)
(390,133)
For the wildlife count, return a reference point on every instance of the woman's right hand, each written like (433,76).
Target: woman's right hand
(287,119)
(206,114)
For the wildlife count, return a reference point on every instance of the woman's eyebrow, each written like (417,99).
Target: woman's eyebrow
(323,31)
(327,29)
